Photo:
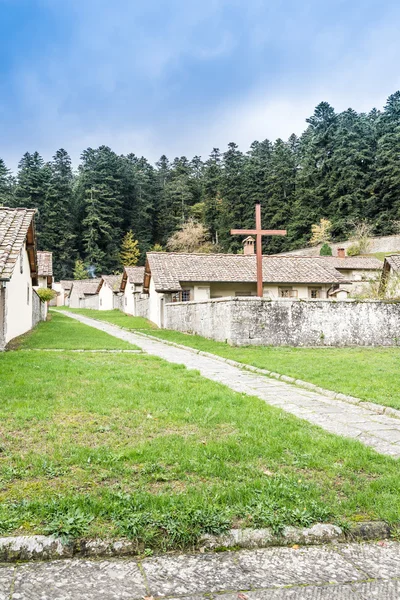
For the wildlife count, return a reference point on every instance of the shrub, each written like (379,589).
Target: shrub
(45,294)
(354,250)
(326,250)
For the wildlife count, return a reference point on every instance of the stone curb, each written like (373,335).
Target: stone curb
(41,547)
(377,408)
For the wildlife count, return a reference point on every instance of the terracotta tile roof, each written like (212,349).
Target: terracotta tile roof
(84,287)
(170,269)
(14,226)
(45,263)
(112,281)
(135,274)
(394,261)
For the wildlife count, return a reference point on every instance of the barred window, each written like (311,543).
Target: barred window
(287,293)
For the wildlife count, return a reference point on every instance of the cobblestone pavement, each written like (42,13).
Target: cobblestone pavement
(360,571)
(381,432)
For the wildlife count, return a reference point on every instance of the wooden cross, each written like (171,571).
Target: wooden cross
(258,232)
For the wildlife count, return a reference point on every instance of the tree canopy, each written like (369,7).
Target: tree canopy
(344,169)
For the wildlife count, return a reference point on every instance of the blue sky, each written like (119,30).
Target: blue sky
(183,76)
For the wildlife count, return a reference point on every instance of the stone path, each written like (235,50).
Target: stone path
(381,432)
(359,571)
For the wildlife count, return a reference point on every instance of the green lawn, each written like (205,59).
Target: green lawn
(112,316)
(371,374)
(129,445)
(64,333)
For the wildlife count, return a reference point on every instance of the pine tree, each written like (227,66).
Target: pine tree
(80,271)
(101,193)
(234,208)
(386,209)
(31,189)
(6,185)
(58,211)
(312,197)
(212,175)
(130,252)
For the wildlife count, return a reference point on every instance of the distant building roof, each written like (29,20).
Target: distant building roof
(17,225)
(85,287)
(170,269)
(135,274)
(66,284)
(111,281)
(352,262)
(394,262)
(45,263)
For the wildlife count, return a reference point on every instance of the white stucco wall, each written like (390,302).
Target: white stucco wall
(128,303)
(106,298)
(18,317)
(156,302)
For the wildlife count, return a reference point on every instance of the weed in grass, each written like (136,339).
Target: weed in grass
(71,523)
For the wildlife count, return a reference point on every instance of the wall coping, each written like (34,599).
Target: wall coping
(284,301)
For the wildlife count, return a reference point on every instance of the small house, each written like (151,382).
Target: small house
(109,291)
(45,269)
(20,306)
(84,293)
(132,288)
(390,282)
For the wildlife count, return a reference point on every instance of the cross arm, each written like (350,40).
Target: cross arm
(260,231)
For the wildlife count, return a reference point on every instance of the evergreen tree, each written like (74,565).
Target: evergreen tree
(6,185)
(212,175)
(58,211)
(80,271)
(234,208)
(386,207)
(100,190)
(31,189)
(130,252)
(312,197)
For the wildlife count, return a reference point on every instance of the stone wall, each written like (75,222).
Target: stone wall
(387,243)
(2,317)
(39,309)
(258,321)
(142,307)
(118,301)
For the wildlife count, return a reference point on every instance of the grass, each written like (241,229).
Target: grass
(116,317)
(129,445)
(64,333)
(368,373)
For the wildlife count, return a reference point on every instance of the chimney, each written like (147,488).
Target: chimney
(248,246)
(341,252)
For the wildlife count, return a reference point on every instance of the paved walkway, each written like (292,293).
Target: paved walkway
(359,571)
(381,432)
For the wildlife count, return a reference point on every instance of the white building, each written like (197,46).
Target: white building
(132,288)
(84,293)
(20,306)
(109,291)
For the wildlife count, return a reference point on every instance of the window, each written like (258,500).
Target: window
(314,292)
(183,296)
(27,294)
(101,301)
(126,300)
(21,262)
(287,293)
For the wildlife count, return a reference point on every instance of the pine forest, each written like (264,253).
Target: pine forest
(345,167)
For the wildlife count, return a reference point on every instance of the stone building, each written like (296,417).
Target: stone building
(390,284)
(20,307)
